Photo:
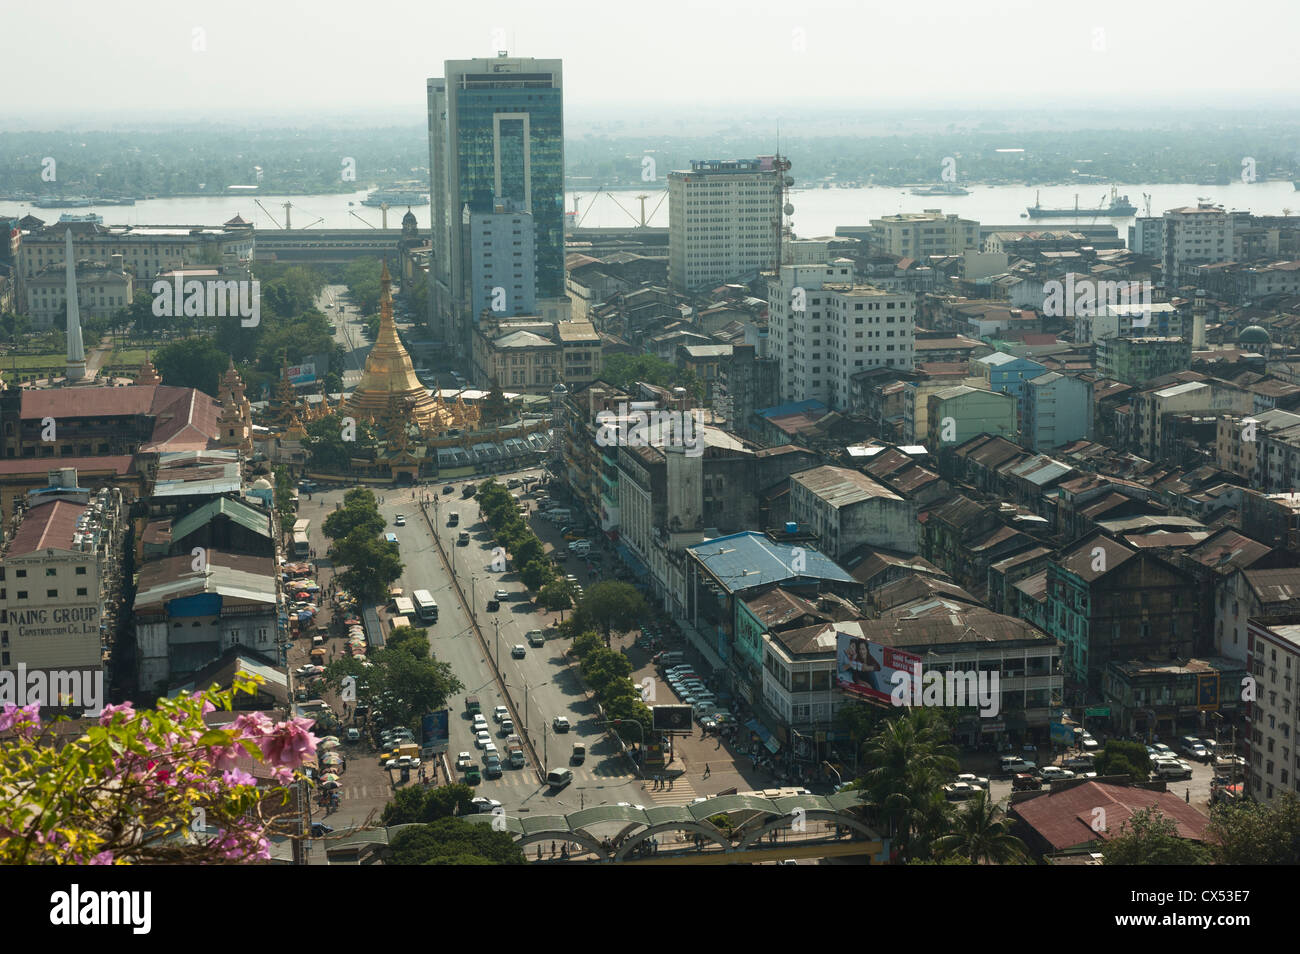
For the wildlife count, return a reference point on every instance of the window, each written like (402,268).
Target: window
(50,571)
(52,594)
(21,574)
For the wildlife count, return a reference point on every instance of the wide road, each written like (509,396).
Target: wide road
(540,686)
(347,331)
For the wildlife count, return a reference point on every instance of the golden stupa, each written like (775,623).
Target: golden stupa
(390,378)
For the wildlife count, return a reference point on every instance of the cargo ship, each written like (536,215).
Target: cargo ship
(1119,206)
(943,188)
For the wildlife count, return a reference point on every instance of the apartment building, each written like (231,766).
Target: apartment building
(1199,235)
(1139,360)
(61,578)
(1273,717)
(922,234)
(1058,409)
(824,327)
(723,221)
(847,509)
(502,253)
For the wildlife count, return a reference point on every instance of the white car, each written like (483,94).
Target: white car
(483,805)
(482,739)
(499,713)
(501,596)
(480,723)
(960,790)
(463,761)
(1054,773)
(977,780)
(490,751)
(399,520)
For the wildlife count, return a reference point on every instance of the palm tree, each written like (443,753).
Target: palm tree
(907,761)
(982,833)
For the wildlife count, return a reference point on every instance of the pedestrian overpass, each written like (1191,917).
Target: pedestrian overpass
(757,829)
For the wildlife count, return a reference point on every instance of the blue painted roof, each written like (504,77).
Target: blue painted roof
(782,410)
(748,559)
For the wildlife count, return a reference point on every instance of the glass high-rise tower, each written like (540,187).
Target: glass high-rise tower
(496,136)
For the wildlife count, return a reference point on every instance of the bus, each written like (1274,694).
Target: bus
(301,542)
(425,607)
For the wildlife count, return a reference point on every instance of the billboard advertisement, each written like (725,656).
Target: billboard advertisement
(1207,691)
(302,374)
(434,734)
(866,669)
(672,719)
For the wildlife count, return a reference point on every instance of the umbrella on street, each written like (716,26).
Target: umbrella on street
(330,785)
(332,744)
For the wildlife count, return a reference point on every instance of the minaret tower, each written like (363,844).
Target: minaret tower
(76,371)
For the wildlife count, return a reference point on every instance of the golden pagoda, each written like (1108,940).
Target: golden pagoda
(148,373)
(390,375)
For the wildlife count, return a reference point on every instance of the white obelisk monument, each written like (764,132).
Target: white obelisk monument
(76,350)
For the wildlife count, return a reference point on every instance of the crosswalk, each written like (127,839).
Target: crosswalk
(682,792)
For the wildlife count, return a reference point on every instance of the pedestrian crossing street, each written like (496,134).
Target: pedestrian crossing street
(682,792)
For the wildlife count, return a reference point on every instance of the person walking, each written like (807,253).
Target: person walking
(707,771)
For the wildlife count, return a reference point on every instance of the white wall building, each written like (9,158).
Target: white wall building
(723,220)
(824,327)
(1195,236)
(1273,745)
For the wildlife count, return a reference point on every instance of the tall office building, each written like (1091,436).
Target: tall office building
(723,221)
(496,137)
(503,273)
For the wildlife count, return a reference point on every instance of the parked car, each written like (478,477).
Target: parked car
(482,739)
(1054,773)
(1024,782)
(352,735)
(958,791)
(1171,768)
(464,761)
(484,806)
(977,780)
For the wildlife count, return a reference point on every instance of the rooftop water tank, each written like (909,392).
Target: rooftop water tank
(791,527)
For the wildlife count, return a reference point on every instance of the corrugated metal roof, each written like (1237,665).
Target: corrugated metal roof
(745,560)
(841,487)
(242,514)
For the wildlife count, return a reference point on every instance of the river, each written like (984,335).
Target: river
(817,211)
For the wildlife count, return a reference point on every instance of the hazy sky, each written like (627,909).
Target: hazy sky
(97,61)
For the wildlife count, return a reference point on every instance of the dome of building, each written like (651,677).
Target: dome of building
(408,219)
(261,484)
(1254,334)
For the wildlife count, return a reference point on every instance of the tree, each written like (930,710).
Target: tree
(536,575)
(372,564)
(528,550)
(1248,833)
(496,409)
(906,763)
(981,833)
(192,363)
(614,606)
(454,841)
(555,596)
(1148,837)
(419,804)
(128,789)
(329,451)
(1124,758)
(625,370)
(586,644)
(360,511)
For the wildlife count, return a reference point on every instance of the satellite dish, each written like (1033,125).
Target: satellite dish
(789,209)
(789,180)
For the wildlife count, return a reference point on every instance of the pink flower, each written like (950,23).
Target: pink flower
(107,713)
(235,777)
(103,858)
(290,744)
(20,716)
